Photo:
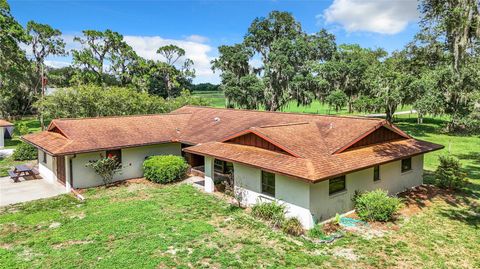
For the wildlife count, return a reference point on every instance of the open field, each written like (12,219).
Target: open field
(217,99)
(152,226)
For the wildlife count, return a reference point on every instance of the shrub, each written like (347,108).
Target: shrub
(292,226)
(316,231)
(105,168)
(164,169)
(337,99)
(24,152)
(449,174)
(376,206)
(270,211)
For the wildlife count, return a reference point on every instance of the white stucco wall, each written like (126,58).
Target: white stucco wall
(324,206)
(132,162)
(2,137)
(311,202)
(293,193)
(47,170)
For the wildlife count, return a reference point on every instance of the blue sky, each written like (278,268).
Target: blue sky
(201,26)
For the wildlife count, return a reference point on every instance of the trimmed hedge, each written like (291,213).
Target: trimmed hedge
(376,206)
(164,169)
(25,152)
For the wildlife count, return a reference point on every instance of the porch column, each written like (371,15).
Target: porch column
(68,173)
(2,136)
(209,174)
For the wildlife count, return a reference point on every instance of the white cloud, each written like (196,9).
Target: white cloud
(197,38)
(146,47)
(378,16)
(56,64)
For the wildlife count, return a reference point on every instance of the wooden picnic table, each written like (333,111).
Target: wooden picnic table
(22,170)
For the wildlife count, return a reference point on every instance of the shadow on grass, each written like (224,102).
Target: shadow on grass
(12,142)
(464,205)
(469,215)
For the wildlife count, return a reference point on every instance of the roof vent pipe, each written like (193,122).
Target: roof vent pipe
(216,119)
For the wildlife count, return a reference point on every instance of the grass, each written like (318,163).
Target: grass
(144,226)
(141,225)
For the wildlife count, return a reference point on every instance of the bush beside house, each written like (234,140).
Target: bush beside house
(164,169)
(376,206)
(24,152)
(274,213)
(105,168)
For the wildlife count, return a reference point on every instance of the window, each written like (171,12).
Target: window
(336,185)
(376,173)
(115,153)
(406,165)
(44,157)
(268,183)
(219,166)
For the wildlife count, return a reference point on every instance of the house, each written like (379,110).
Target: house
(5,128)
(312,163)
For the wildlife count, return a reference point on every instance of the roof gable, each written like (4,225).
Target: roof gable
(256,139)
(379,134)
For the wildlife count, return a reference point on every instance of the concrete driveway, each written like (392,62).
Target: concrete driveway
(27,190)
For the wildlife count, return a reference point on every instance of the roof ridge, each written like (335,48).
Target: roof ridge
(281,125)
(290,113)
(123,116)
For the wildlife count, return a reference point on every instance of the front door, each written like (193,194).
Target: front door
(61,169)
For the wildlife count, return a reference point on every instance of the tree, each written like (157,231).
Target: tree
(287,57)
(337,99)
(347,69)
(97,101)
(15,70)
(391,83)
(123,59)
(98,48)
(45,41)
(457,25)
(172,54)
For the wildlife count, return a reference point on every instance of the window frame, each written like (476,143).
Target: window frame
(115,152)
(340,178)
(267,187)
(409,165)
(376,173)
(44,157)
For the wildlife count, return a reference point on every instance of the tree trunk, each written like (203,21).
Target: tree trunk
(420,118)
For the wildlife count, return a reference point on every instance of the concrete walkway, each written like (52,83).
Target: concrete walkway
(4,153)
(27,190)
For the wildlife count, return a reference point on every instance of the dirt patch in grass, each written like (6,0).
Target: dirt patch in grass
(71,243)
(420,197)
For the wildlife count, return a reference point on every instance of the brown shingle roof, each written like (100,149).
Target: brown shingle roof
(94,134)
(316,168)
(4,123)
(315,142)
